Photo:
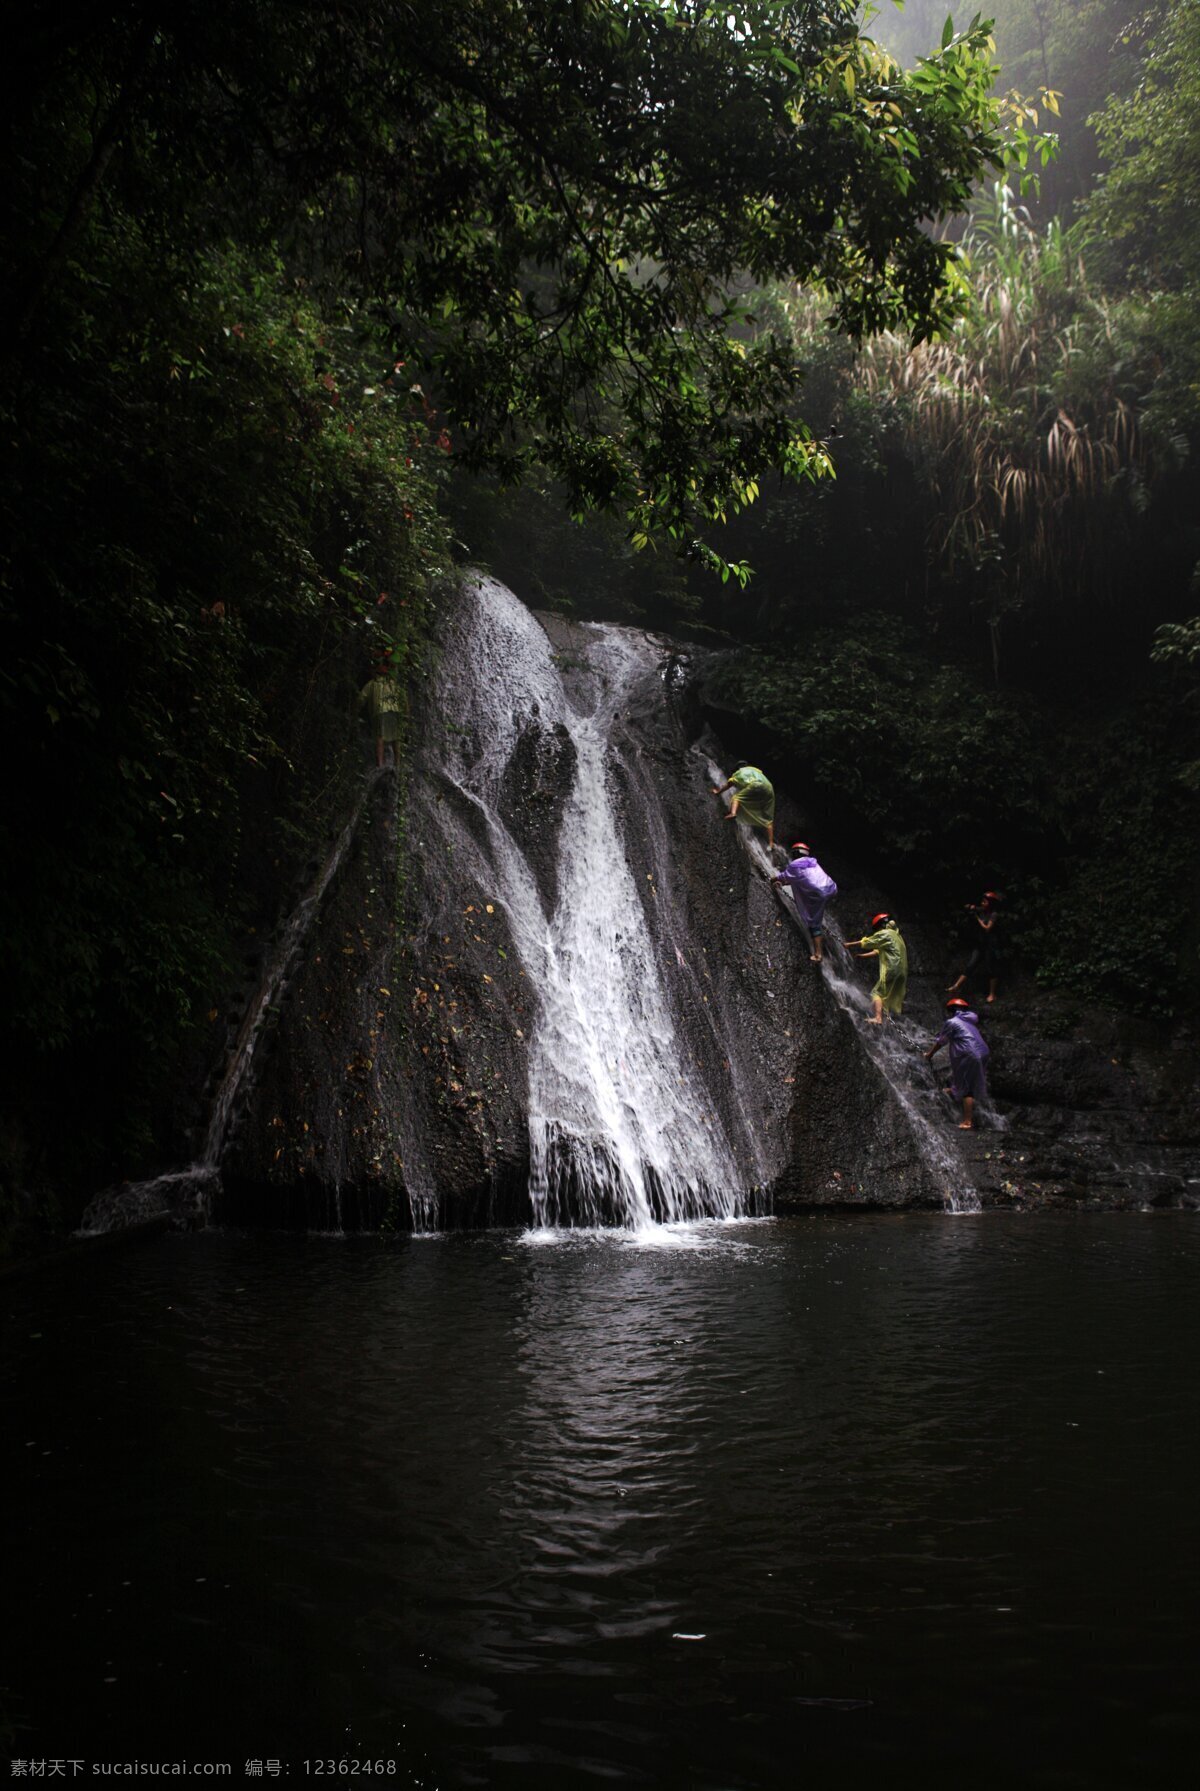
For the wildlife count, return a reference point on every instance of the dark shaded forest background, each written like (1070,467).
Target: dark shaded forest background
(973,653)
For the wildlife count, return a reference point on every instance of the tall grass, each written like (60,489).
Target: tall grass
(1018,423)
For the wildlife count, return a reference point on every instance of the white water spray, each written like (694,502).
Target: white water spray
(619,1132)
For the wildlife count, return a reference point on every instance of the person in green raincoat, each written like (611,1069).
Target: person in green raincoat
(754,795)
(886,944)
(383,700)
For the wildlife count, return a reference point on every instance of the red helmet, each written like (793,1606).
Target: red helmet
(877,920)
(992,895)
(956,1001)
(799,846)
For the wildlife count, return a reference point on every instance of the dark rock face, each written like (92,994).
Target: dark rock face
(533,790)
(396,1085)
(396,1070)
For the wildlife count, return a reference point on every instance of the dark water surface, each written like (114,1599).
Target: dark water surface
(751,1506)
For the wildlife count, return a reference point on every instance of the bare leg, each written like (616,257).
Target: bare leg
(968,1122)
(770,836)
(956,985)
(991,988)
(877,1017)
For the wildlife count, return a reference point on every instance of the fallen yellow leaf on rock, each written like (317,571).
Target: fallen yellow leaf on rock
(385,991)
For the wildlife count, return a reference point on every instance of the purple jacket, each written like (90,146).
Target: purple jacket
(805,874)
(967,1044)
(810,888)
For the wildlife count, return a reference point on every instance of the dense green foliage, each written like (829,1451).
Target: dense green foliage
(944,787)
(547,206)
(204,511)
(1150,136)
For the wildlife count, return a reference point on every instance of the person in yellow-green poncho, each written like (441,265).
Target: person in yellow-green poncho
(886,944)
(754,795)
(383,700)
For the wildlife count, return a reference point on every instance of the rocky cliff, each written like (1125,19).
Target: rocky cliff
(550,981)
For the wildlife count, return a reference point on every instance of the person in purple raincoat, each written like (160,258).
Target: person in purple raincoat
(811,889)
(968,1057)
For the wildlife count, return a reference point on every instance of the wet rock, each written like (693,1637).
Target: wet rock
(185,1198)
(534,788)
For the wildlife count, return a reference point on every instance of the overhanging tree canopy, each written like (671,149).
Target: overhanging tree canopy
(555,203)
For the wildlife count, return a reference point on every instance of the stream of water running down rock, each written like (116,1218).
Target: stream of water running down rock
(613,1132)
(620,1130)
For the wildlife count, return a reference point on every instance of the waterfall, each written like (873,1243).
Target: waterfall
(621,1128)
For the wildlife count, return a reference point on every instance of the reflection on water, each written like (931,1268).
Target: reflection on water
(678,1508)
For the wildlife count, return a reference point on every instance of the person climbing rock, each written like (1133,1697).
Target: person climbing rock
(811,889)
(969,1053)
(886,944)
(754,794)
(984,954)
(383,700)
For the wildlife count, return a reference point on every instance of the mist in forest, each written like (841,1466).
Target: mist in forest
(1082,49)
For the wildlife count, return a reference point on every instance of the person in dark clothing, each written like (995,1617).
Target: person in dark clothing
(984,955)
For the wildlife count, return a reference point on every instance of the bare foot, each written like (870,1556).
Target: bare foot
(814,957)
(991,998)
(967,1125)
(875,1022)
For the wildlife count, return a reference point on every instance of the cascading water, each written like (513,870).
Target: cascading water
(620,1132)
